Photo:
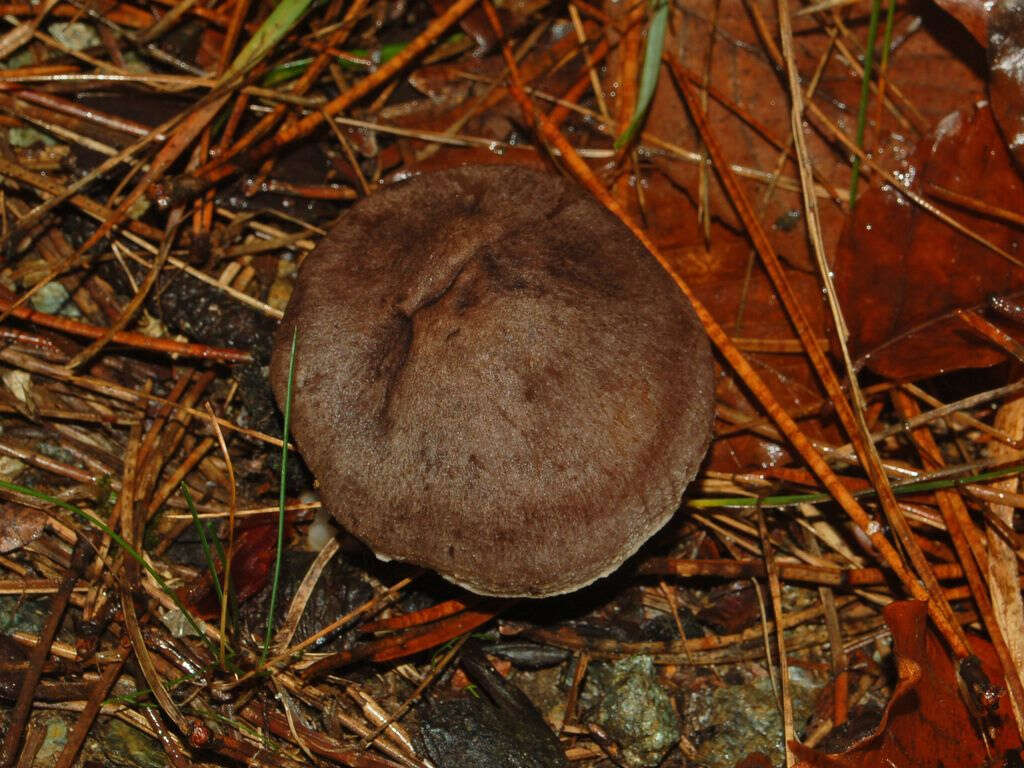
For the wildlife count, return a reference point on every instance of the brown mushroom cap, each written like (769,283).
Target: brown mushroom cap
(494,379)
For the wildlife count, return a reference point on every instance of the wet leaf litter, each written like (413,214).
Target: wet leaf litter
(176,579)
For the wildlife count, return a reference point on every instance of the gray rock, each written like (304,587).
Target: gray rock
(632,706)
(736,720)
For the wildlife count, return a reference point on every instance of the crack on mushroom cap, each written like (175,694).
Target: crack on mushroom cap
(494,379)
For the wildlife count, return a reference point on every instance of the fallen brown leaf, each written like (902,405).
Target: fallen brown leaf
(901,273)
(927,723)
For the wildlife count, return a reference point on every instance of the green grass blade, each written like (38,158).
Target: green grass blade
(791,499)
(865,93)
(281,500)
(136,697)
(354,60)
(651,68)
(280,21)
(207,551)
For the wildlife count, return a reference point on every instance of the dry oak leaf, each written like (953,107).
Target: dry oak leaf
(926,723)
(901,273)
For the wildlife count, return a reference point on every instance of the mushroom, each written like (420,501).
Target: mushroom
(493,379)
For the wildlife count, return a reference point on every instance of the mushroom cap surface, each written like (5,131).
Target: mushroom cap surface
(495,380)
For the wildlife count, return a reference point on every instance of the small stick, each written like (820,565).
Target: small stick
(87,716)
(993,333)
(775,585)
(128,338)
(127,394)
(27,689)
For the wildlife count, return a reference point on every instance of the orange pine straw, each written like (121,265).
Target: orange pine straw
(762,130)
(861,442)
(410,642)
(830,576)
(959,526)
(299,88)
(38,70)
(177,143)
(202,218)
(441,633)
(221,168)
(560,112)
(127,338)
(433,613)
(200,11)
(736,360)
(55,189)
(121,14)
(993,333)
